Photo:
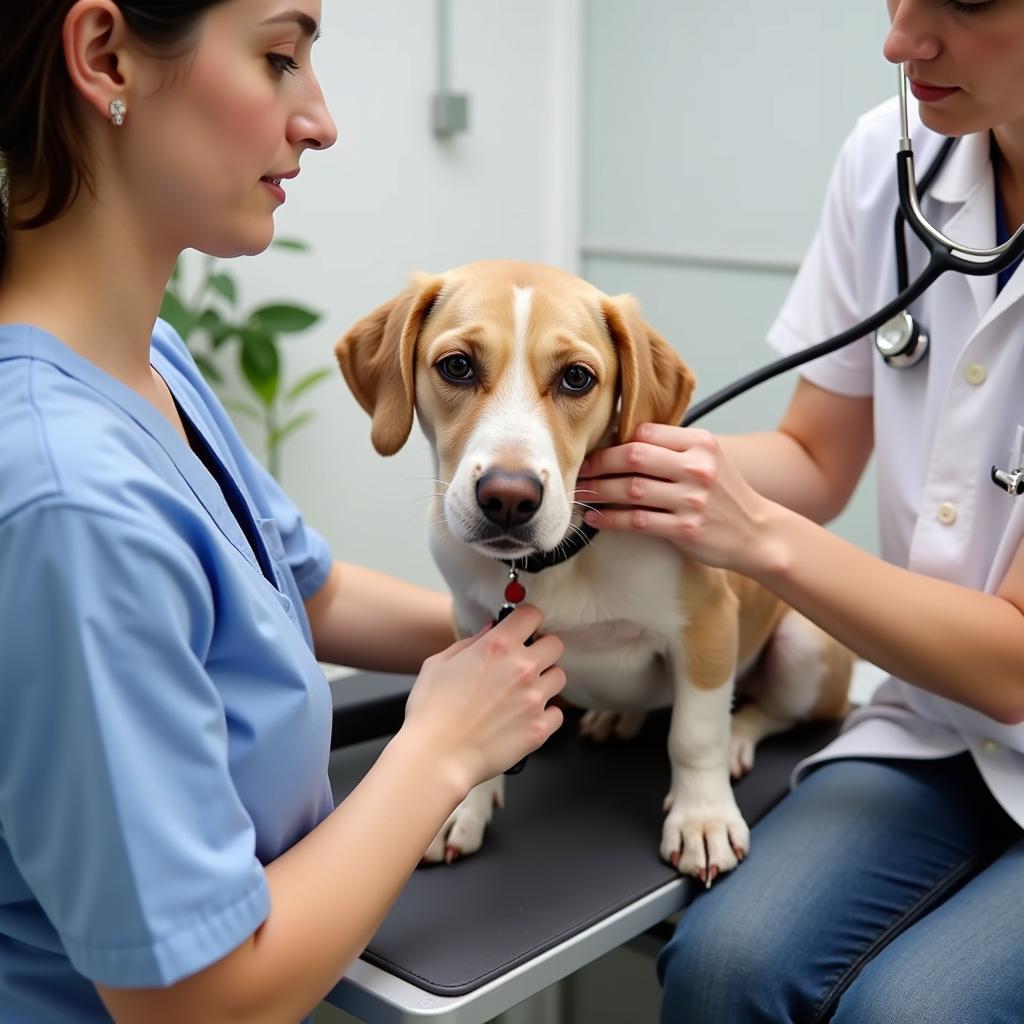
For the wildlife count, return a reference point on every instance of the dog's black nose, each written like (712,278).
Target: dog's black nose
(509,499)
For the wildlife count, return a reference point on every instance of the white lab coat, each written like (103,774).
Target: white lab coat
(939,426)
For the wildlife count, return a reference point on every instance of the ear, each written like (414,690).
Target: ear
(655,384)
(97,54)
(377,358)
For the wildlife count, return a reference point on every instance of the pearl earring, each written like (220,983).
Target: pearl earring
(117,112)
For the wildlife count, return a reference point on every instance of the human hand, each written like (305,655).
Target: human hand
(481,704)
(677,483)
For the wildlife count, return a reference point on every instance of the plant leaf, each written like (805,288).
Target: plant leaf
(294,244)
(224,285)
(307,382)
(277,436)
(250,412)
(260,363)
(173,310)
(283,318)
(210,320)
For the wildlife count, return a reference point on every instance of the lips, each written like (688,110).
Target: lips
(926,93)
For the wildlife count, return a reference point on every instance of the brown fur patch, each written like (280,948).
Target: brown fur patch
(760,612)
(711,631)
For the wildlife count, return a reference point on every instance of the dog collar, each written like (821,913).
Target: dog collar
(573,544)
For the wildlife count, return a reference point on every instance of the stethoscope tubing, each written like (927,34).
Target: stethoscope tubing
(944,254)
(937,265)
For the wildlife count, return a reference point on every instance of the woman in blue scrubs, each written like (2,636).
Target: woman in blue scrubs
(168,848)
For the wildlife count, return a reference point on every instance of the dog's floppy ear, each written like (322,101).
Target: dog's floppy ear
(655,385)
(377,355)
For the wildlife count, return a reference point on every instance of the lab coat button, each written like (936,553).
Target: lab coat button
(976,373)
(990,746)
(946,513)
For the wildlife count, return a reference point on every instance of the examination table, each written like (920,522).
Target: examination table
(568,871)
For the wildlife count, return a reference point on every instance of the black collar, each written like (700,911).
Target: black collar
(577,539)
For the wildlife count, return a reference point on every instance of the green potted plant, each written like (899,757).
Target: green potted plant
(209,318)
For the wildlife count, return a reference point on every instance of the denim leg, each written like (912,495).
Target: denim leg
(962,964)
(860,850)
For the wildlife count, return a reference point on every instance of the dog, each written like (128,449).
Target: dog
(515,372)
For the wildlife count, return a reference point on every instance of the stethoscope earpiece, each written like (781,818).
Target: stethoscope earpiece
(901,341)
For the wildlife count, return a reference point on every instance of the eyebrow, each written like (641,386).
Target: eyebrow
(307,25)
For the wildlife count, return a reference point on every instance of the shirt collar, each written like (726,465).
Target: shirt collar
(968,166)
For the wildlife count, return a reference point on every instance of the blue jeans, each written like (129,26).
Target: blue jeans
(878,892)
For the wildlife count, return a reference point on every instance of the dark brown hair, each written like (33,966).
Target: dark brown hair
(41,143)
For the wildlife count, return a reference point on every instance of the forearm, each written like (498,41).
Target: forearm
(813,461)
(369,620)
(331,891)
(328,895)
(952,640)
(779,467)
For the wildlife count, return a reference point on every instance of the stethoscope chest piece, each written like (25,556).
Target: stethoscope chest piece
(901,341)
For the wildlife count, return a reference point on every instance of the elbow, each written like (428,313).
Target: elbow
(1011,715)
(1008,708)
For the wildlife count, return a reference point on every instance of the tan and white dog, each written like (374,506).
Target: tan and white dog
(516,371)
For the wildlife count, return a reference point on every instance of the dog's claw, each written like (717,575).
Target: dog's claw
(451,853)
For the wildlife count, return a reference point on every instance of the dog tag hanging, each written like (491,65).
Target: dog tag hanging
(515,593)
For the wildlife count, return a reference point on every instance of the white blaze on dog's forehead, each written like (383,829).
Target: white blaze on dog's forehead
(510,426)
(519,390)
(523,301)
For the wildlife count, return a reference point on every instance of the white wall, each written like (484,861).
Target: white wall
(391,198)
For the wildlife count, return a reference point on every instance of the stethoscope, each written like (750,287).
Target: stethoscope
(899,339)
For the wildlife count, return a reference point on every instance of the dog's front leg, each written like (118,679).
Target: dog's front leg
(704,833)
(463,832)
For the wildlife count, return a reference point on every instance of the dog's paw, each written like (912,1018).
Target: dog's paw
(601,726)
(751,724)
(705,841)
(463,832)
(741,751)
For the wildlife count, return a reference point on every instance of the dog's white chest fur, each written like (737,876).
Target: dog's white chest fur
(614,606)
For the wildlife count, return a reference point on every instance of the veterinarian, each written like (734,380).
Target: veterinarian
(168,848)
(887,887)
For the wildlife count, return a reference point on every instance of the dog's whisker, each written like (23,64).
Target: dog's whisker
(434,479)
(578,531)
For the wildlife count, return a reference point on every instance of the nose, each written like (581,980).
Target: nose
(912,35)
(509,499)
(311,126)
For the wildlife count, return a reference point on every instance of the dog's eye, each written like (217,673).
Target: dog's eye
(577,380)
(458,369)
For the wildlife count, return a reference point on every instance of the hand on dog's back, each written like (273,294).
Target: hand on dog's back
(481,705)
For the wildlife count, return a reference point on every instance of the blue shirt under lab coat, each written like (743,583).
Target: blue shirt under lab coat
(164,725)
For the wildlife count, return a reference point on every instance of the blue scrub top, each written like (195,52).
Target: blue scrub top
(164,725)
